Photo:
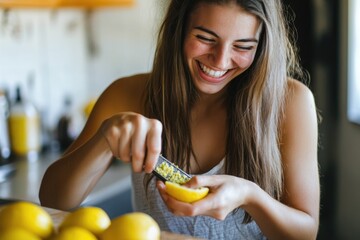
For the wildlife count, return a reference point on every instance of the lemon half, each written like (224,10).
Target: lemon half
(132,226)
(185,194)
(27,216)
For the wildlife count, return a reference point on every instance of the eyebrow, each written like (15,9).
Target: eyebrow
(215,35)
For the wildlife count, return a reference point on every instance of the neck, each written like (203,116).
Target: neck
(210,102)
(208,106)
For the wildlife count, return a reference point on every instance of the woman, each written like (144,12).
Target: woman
(220,102)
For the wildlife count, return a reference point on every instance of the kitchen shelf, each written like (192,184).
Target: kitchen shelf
(64,3)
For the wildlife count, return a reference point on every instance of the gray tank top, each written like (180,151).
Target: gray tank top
(198,226)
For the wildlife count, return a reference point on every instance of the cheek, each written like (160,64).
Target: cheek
(193,49)
(245,60)
(188,49)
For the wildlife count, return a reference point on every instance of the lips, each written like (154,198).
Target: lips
(209,80)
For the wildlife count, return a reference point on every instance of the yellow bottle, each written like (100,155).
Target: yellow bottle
(25,130)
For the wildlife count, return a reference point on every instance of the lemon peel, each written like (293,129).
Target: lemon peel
(27,216)
(93,219)
(72,233)
(17,233)
(132,226)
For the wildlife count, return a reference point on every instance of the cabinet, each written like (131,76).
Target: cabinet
(64,3)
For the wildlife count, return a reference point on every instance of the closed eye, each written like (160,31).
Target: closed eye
(244,48)
(205,38)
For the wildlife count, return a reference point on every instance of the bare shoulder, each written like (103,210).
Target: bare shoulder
(124,94)
(299,125)
(299,102)
(299,128)
(130,83)
(298,93)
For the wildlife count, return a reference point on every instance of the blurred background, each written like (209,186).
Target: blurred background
(57,60)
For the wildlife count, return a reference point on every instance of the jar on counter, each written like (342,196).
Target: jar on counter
(4,128)
(25,128)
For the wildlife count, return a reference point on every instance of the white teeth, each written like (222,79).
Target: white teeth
(210,72)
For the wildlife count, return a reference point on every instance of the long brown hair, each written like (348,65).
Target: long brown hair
(255,99)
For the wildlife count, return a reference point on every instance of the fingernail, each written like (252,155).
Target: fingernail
(160,184)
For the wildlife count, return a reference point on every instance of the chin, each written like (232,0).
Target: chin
(209,89)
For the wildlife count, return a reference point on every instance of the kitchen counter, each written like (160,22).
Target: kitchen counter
(58,216)
(24,183)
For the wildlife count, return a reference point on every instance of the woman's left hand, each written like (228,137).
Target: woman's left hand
(226,193)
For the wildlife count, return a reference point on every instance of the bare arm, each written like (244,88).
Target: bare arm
(115,128)
(69,180)
(297,215)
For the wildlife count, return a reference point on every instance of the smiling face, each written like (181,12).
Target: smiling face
(220,44)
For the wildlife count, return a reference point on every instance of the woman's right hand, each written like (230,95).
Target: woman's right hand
(113,129)
(134,138)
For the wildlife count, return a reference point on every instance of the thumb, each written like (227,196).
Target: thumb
(198,181)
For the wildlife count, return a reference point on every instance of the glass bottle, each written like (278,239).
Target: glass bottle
(25,128)
(4,128)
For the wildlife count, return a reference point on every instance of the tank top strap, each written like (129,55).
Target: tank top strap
(217,169)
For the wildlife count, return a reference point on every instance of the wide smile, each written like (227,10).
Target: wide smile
(212,75)
(210,72)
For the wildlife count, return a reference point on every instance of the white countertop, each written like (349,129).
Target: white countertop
(24,184)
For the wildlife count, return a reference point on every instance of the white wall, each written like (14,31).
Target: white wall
(49,46)
(74,52)
(122,42)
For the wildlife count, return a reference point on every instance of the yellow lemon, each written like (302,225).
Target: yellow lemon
(74,233)
(132,226)
(94,219)
(28,216)
(17,233)
(185,194)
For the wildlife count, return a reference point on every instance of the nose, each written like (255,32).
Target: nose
(221,57)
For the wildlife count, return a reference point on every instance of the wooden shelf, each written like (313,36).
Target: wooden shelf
(64,3)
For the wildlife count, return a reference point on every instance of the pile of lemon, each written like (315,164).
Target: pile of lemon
(28,221)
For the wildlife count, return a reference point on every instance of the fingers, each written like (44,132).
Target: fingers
(202,181)
(123,149)
(217,204)
(161,187)
(111,132)
(174,206)
(153,144)
(134,138)
(209,206)
(146,144)
(138,143)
